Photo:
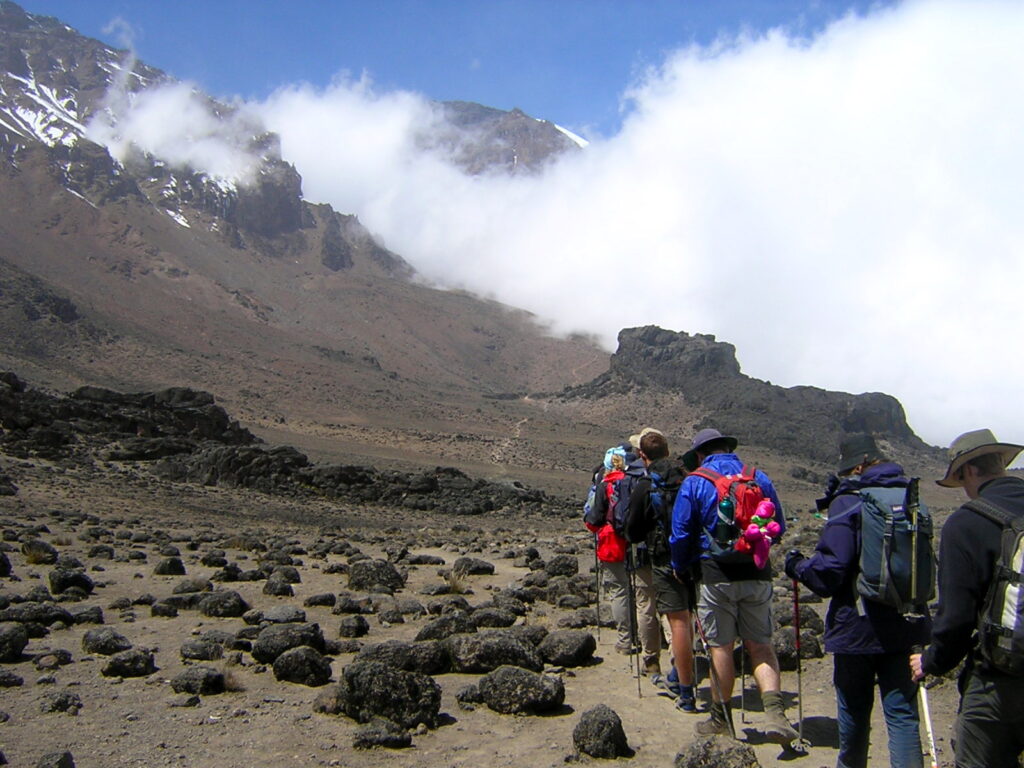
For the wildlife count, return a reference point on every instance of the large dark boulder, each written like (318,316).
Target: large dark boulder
(514,690)
(223,604)
(429,656)
(63,579)
(5,565)
(13,639)
(784,643)
(303,665)
(567,648)
(278,638)
(374,576)
(133,663)
(472,566)
(456,622)
(716,752)
(599,733)
(199,680)
(32,612)
(370,689)
(485,651)
(105,641)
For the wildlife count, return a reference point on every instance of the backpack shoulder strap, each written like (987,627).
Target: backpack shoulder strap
(708,474)
(748,472)
(991,511)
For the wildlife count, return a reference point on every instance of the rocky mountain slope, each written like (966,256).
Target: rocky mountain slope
(141,275)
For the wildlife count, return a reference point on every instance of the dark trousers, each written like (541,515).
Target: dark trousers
(855,678)
(990,726)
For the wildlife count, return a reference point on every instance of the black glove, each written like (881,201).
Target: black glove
(793,557)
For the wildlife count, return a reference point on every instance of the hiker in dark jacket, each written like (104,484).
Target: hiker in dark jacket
(989,730)
(735,599)
(870,641)
(623,469)
(675,596)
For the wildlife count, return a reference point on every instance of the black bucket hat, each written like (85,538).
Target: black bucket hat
(857,449)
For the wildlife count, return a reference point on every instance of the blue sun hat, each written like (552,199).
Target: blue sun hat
(617,450)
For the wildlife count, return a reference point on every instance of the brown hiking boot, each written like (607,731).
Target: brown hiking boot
(717,723)
(652,665)
(776,727)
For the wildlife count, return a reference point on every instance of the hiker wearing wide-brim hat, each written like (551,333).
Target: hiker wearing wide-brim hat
(707,441)
(990,723)
(971,445)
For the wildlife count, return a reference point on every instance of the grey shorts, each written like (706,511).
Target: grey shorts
(672,595)
(734,609)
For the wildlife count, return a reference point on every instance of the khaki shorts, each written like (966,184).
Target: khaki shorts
(735,609)
(671,594)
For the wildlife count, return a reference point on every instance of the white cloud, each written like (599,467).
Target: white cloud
(844,209)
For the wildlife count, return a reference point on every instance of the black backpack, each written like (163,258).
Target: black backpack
(662,498)
(1001,618)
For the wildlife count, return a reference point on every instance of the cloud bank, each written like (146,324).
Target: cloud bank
(845,209)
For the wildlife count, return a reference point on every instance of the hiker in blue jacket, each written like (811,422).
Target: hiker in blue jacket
(870,641)
(735,599)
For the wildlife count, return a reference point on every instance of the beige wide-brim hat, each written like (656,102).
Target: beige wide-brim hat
(634,440)
(970,445)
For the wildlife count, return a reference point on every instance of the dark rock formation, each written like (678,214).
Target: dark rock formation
(303,665)
(486,651)
(226,604)
(370,689)
(13,639)
(451,623)
(278,638)
(567,648)
(105,641)
(199,680)
(799,421)
(133,663)
(429,657)
(514,690)
(717,752)
(599,733)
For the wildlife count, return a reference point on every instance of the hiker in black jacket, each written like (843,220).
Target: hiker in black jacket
(989,731)
(649,521)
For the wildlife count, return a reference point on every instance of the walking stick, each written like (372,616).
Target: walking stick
(922,694)
(801,745)
(715,687)
(597,580)
(634,633)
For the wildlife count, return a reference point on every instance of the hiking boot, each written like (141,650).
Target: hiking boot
(776,727)
(652,665)
(686,701)
(626,648)
(717,723)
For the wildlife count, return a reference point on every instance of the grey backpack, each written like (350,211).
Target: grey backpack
(893,523)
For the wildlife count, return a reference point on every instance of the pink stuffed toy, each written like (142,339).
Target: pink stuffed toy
(758,533)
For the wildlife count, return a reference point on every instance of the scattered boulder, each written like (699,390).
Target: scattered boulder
(223,604)
(32,612)
(472,566)
(456,622)
(191,585)
(567,648)
(275,639)
(429,656)
(370,689)
(170,566)
(201,650)
(56,760)
(91,614)
(486,651)
(303,665)
(784,643)
(381,732)
(278,586)
(514,690)
(353,626)
(599,733)
(5,565)
(492,617)
(63,579)
(136,662)
(284,614)
(562,565)
(61,701)
(13,639)
(10,680)
(375,576)
(105,641)
(199,680)
(717,752)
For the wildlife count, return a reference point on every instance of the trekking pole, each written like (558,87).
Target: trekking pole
(922,694)
(913,503)
(597,584)
(801,745)
(634,633)
(715,687)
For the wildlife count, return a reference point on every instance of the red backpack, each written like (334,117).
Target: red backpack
(741,502)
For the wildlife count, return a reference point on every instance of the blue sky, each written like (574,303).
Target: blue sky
(568,61)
